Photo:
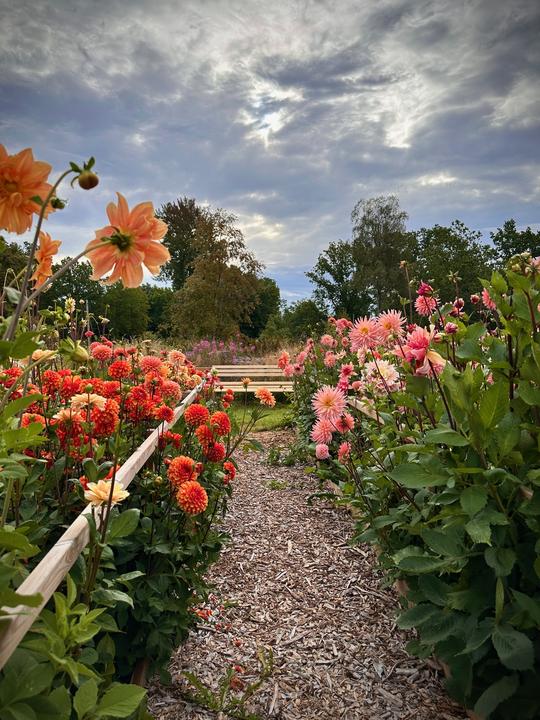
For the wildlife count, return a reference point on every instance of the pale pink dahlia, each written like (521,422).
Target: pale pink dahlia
(329,403)
(364,334)
(322,431)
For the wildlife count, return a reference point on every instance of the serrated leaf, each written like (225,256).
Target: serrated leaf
(416,616)
(473,499)
(443,543)
(479,530)
(434,589)
(514,648)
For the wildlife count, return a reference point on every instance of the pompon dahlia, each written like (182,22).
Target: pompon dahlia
(119,369)
(329,403)
(150,362)
(106,420)
(215,452)
(205,436)
(164,413)
(181,469)
(192,497)
(101,352)
(196,415)
(221,423)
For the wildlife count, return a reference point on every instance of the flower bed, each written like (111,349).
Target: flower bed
(442,465)
(75,413)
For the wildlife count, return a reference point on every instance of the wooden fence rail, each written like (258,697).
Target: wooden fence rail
(52,569)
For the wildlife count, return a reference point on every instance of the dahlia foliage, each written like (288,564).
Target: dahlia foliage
(429,424)
(74,407)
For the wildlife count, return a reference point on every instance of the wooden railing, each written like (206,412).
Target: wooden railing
(52,569)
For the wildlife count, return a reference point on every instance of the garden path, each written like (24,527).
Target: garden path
(289,580)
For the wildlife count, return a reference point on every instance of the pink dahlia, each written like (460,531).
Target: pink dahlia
(425,305)
(487,300)
(390,324)
(364,334)
(322,431)
(329,403)
(328,341)
(322,452)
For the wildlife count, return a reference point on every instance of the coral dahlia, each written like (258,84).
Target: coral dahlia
(196,415)
(192,497)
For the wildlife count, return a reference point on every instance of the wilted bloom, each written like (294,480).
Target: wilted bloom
(322,452)
(365,333)
(329,402)
(487,300)
(98,493)
(70,305)
(382,375)
(44,254)
(322,431)
(40,355)
(21,179)
(132,239)
(345,423)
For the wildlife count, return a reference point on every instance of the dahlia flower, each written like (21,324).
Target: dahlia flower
(44,254)
(196,415)
(425,305)
(329,403)
(365,333)
(181,469)
(87,400)
(132,238)
(192,497)
(215,452)
(322,452)
(487,300)
(265,397)
(328,341)
(220,422)
(344,451)
(21,179)
(322,431)
(98,493)
(390,324)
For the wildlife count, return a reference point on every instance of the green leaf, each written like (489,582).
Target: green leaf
(85,698)
(494,404)
(23,345)
(20,711)
(420,563)
(16,406)
(495,695)
(443,543)
(473,499)
(10,598)
(446,436)
(528,604)
(120,701)
(56,706)
(415,476)
(13,540)
(479,530)
(109,598)
(123,524)
(434,589)
(416,616)
(502,560)
(529,393)
(514,648)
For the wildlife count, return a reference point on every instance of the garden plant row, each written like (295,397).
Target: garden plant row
(76,411)
(442,467)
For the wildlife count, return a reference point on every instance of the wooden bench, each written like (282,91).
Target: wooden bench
(262,376)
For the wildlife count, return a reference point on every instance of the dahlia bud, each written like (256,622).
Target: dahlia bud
(79,354)
(87,180)
(475,299)
(57,203)
(450,328)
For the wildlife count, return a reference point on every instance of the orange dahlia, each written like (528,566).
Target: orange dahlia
(181,469)
(196,415)
(44,255)
(215,452)
(221,423)
(265,397)
(132,238)
(21,179)
(192,497)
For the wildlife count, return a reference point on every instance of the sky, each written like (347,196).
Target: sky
(284,113)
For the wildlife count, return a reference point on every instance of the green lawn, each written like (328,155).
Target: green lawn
(275,418)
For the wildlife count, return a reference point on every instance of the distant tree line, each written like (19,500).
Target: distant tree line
(365,274)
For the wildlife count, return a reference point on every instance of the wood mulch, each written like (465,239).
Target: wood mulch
(289,580)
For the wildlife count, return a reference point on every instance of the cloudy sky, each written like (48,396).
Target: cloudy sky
(285,113)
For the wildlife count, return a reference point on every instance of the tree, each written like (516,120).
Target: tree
(336,281)
(509,241)
(127,310)
(182,217)
(444,252)
(159,299)
(13,259)
(303,319)
(221,291)
(75,283)
(380,241)
(268,302)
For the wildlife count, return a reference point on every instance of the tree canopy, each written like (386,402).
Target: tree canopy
(509,241)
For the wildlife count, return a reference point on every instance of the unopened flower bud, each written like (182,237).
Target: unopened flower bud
(475,299)
(79,354)
(57,203)
(450,328)
(88,180)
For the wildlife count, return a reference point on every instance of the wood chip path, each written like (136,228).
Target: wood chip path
(289,580)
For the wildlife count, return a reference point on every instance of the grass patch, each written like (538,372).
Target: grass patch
(276,418)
